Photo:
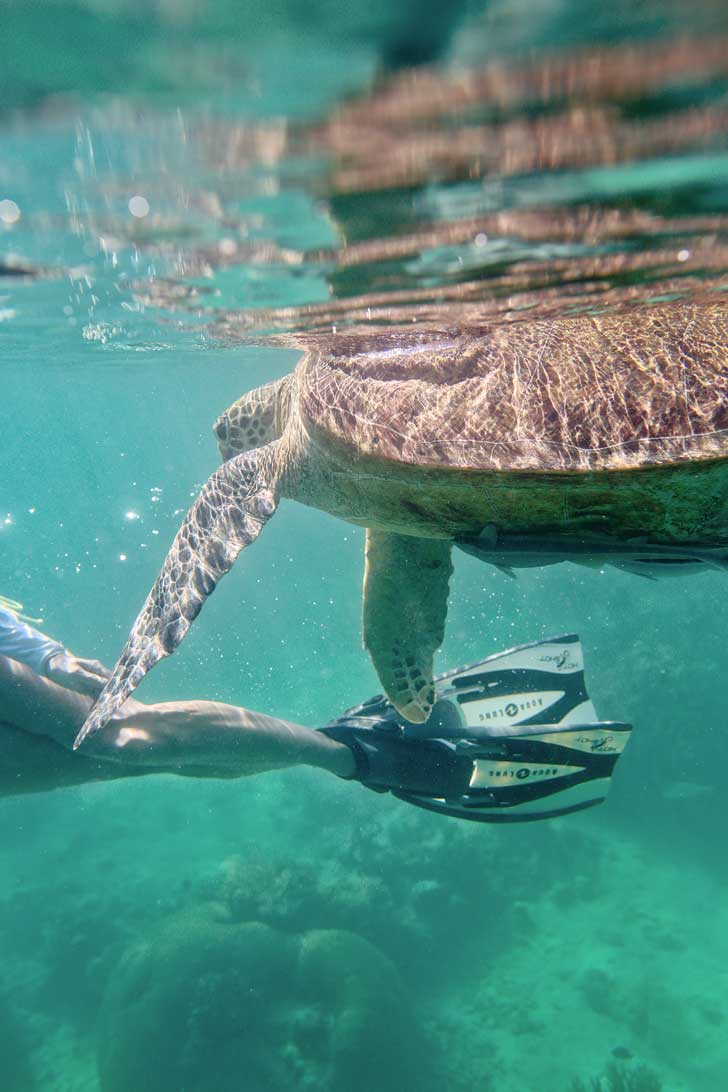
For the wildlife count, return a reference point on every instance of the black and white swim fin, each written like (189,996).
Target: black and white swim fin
(514,737)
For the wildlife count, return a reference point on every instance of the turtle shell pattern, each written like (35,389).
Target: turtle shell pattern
(584,393)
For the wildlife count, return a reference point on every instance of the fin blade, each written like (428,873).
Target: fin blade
(541,776)
(538,683)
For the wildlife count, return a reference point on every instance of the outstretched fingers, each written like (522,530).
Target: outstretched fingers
(228,515)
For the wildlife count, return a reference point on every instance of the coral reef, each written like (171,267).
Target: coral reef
(621,1078)
(205,1003)
(407,882)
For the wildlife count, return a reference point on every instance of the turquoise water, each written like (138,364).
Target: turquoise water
(291,931)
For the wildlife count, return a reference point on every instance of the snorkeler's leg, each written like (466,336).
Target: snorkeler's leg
(205,738)
(201,738)
(198,737)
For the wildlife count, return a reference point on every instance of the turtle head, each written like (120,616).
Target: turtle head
(258,418)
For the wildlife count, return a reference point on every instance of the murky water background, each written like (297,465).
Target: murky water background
(185,195)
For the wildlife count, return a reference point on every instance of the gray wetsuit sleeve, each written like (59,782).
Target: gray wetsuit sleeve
(21,642)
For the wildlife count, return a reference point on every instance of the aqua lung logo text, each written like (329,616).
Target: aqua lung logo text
(495,775)
(512,710)
(522,773)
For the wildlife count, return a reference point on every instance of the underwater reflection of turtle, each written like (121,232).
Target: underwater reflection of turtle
(588,437)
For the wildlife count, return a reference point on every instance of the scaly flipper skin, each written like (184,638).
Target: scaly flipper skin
(405,605)
(228,515)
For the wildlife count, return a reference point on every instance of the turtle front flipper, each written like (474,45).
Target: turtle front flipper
(405,605)
(228,515)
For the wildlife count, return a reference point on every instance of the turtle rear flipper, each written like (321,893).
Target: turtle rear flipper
(233,507)
(405,606)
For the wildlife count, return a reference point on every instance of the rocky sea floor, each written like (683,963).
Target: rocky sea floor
(389,949)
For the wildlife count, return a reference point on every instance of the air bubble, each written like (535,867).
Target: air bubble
(138,206)
(9,211)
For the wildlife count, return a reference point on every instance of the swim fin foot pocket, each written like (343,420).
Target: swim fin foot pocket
(514,737)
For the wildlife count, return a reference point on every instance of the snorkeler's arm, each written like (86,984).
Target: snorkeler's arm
(21,642)
(47,657)
(73,673)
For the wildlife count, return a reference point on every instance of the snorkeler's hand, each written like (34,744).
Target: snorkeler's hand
(84,676)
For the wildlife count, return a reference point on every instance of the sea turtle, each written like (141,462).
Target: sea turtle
(586,435)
